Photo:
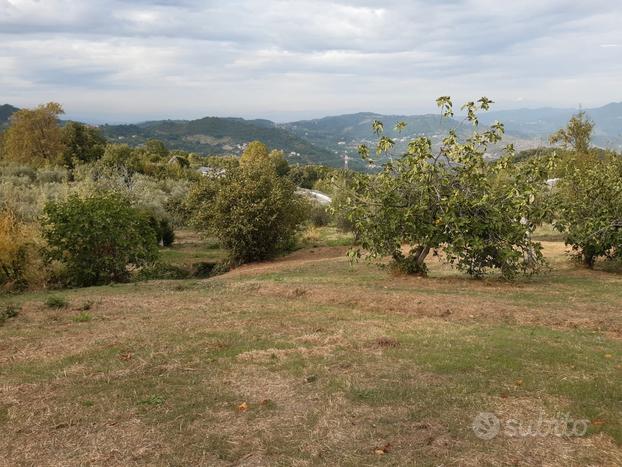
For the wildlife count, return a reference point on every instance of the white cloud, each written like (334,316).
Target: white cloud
(146,59)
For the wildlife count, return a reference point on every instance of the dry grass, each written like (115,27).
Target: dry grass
(307,360)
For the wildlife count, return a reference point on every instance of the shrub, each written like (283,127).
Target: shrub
(319,215)
(9,311)
(252,211)
(56,301)
(82,317)
(159,270)
(98,238)
(21,265)
(166,234)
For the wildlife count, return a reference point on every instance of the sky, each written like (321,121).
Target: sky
(122,61)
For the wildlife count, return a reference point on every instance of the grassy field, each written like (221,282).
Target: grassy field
(309,360)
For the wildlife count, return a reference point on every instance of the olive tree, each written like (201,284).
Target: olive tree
(480,214)
(254,212)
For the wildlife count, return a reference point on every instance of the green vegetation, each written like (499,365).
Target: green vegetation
(34,136)
(20,263)
(252,210)
(97,238)
(308,358)
(213,135)
(481,214)
(56,301)
(589,206)
(8,311)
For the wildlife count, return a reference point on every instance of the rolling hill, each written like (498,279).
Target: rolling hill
(538,124)
(214,135)
(329,140)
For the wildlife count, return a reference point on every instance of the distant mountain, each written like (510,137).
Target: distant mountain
(342,134)
(214,135)
(6,111)
(525,128)
(538,124)
(332,140)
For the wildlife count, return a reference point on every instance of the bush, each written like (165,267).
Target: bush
(165,235)
(252,211)
(82,317)
(56,301)
(98,238)
(9,311)
(160,270)
(319,215)
(21,265)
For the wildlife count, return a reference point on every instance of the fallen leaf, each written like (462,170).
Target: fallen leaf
(125,356)
(598,422)
(519,382)
(243,407)
(383,450)
(608,355)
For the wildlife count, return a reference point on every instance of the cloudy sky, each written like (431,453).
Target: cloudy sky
(145,59)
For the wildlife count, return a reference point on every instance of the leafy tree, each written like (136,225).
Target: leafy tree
(255,151)
(277,158)
(480,214)
(157,148)
(98,237)
(121,156)
(305,176)
(251,210)
(82,143)
(589,210)
(35,136)
(258,153)
(577,135)
(179,161)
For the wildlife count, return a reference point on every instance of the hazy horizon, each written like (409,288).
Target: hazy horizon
(115,61)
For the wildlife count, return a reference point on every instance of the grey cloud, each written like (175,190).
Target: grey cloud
(242,56)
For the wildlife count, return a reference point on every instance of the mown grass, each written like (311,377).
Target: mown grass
(310,360)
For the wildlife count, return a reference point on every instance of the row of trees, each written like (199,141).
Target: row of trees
(482,215)
(101,235)
(447,200)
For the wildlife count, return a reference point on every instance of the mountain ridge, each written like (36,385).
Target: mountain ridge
(331,139)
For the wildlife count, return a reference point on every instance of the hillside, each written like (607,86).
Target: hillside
(538,124)
(6,110)
(309,360)
(214,135)
(342,134)
(327,140)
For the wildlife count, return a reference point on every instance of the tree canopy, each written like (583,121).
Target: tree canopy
(480,214)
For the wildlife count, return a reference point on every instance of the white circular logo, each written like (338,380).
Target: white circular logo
(486,425)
